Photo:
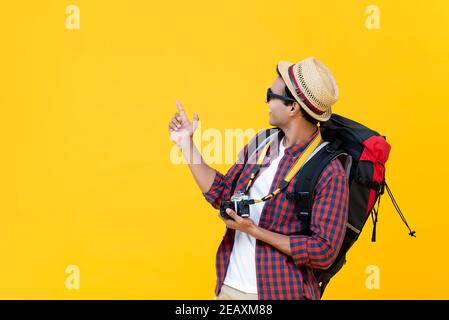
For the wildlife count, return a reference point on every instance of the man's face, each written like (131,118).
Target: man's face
(279,112)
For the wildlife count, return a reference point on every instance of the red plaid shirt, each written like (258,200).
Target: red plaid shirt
(280,276)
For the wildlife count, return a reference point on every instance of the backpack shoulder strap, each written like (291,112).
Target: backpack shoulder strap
(254,146)
(308,176)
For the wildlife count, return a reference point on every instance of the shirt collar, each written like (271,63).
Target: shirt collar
(298,148)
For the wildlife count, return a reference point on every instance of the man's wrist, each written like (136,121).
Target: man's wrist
(255,231)
(186,143)
(189,151)
(186,147)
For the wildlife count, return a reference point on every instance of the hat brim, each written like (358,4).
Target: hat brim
(283,70)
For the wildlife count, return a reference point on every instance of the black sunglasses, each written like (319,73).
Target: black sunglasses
(271,95)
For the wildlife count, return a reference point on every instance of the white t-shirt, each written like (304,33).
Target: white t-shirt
(241,272)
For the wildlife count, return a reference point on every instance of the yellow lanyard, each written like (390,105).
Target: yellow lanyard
(292,172)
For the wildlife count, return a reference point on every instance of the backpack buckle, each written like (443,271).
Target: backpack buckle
(301,199)
(303,216)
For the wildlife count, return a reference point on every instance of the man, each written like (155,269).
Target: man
(265,256)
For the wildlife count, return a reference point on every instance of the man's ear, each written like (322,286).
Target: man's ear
(295,104)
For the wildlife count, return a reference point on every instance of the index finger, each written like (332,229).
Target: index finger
(180,108)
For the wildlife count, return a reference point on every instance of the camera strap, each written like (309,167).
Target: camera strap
(289,176)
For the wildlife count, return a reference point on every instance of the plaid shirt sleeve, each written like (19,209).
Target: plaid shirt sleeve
(214,195)
(328,224)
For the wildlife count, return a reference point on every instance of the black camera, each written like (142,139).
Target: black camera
(239,203)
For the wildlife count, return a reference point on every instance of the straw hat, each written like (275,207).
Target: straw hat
(313,86)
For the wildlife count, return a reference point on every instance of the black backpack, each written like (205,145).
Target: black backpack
(363,154)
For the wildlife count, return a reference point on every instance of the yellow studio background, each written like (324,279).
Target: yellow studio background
(86,176)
